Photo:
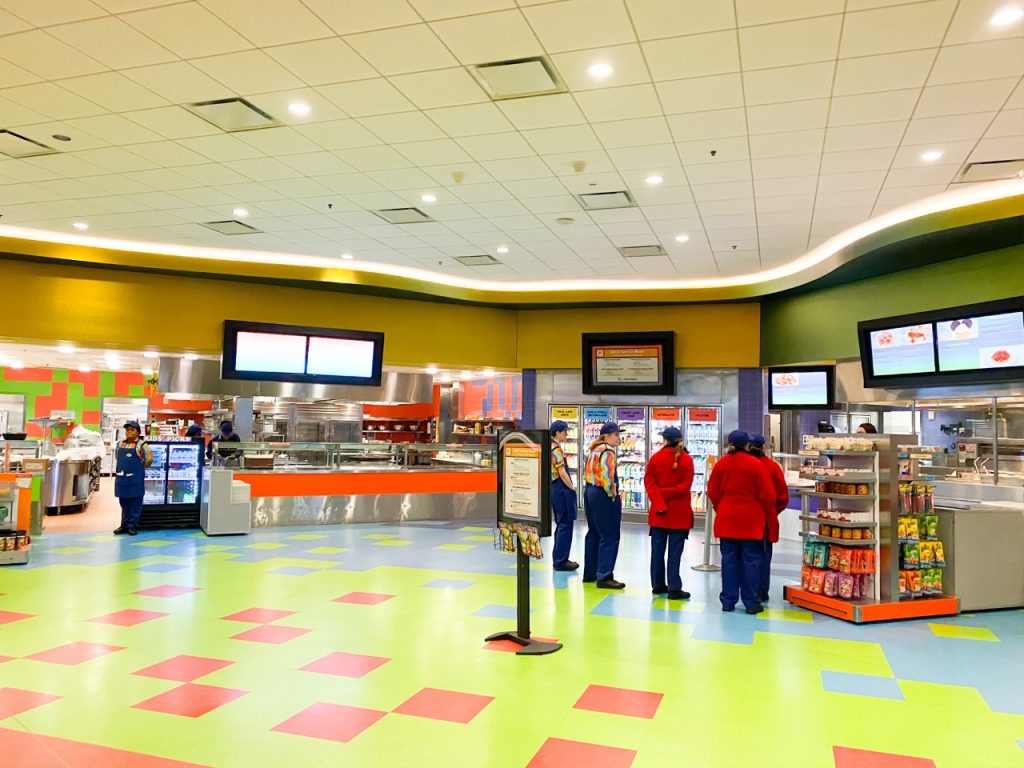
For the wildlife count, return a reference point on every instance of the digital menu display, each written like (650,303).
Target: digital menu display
(270,352)
(899,351)
(340,357)
(633,363)
(627,365)
(800,388)
(978,343)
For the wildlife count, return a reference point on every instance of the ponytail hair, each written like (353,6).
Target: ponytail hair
(596,443)
(680,449)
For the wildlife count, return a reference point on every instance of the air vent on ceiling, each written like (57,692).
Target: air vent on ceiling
(482,260)
(403,215)
(230,227)
(517,78)
(15,145)
(992,170)
(232,114)
(597,201)
(640,251)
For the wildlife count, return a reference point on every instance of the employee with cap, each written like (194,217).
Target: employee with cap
(667,479)
(742,495)
(133,457)
(603,508)
(563,499)
(227,435)
(778,479)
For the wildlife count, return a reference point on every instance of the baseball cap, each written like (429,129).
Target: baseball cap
(757,440)
(558,426)
(134,424)
(672,434)
(609,427)
(739,438)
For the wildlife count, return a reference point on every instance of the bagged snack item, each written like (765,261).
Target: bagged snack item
(906,498)
(869,561)
(904,584)
(866,585)
(931,524)
(937,580)
(938,555)
(911,556)
(833,557)
(816,582)
(901,528)
(820,555)
(928,503)
(856,587)
(831,585)
(824,530)
(914,581)
(913,533)
(927,554)
(805,576)
(845,560)
(855,533)
(846,582)
(847,533)
(808,552)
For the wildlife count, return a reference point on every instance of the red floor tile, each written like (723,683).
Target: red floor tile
(270,633)
(6,658)
(6,617)
(14,701)
(129,617)
(334,722)
(558,753)
(510,646)
(190,700)
(184,669)
(258,615)
(166,590)
(75,653)
(34,750)
(363,598)
(345,664)
(619,701)
(846,757)
(438,704)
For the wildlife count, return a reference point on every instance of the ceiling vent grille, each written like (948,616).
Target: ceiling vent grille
(518,78)
(233,114)
(231,227)
(603,201)
(403,215)
(15,145)
(483,260)
(641,251)
(993,170)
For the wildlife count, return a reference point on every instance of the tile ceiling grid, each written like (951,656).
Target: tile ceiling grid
(149,167)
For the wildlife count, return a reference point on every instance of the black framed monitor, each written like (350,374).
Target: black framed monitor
(967,344)
(271,352)
(640,363)
(802,387)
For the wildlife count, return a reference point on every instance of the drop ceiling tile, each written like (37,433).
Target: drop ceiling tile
(971,23)
(885,72)
(790,42)
(320,62)
(708,125)
(112,42)
(221,147)
(873,136)
(899,28)
(297,187)
(469,120)
(209,174)
(46,56)
(542,111)
(46,99)
(672,218)
(481,193)
(11,75)
(278,141)
(658,158)
(443,174)
(9,23)
(633,133)
(627,63)
(43,133)
(978,61)
(681,194)
(404,178)
(721,191)
(500,208)
(276,23)
(1009,122)
(909,156)
(486,37)
(803,185)
(440,88)
(805,81)
(716,173)
(546,141)
(248,72)
(857,160)
(775,118)
(669,168)
(367,97)
(162,179)
(726,149)
(828,204)
(496,146)
(788,143)
(113,91)
(373,158)
(114,129)
(338,134)
(179,82)
(352,183)
(701,94)
(929,130)
(881,107)
(783,167)
(923,175)
(410,126)
(840,182)
(172,122)
(619,103)
(321,109)
(785,203)
(577,24)
(347,18)
(750,12)
(555,204)
(117,160)
(596,162)
(898,196)
(188,30)
(963,98)
(1002,148)
(692,56)
(115,184)
(432,152)
(45,14)
(402,49)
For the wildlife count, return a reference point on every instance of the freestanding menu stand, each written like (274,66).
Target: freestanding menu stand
(524,508)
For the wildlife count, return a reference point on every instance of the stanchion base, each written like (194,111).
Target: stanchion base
(530,647)
(706,567)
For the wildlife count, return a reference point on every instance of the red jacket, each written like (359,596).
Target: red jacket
(778,478)
(669,489)
(741,490)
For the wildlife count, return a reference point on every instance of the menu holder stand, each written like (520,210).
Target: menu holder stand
(521,635)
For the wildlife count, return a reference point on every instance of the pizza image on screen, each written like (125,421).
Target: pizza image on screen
(1008,356)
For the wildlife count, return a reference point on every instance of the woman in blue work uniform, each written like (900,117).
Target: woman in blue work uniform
(133,456)
(603,508)
(563,500)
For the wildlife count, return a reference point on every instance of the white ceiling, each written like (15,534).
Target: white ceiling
(818,110)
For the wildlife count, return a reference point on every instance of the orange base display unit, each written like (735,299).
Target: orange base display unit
(860,612)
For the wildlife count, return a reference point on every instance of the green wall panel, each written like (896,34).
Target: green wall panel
(60,374)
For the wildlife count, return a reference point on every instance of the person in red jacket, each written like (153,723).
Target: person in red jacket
(778,478)
(668,478)
(742,495)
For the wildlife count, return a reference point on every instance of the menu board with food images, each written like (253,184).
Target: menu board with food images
(627,365)
(800,388)
(898,351)
(988,341)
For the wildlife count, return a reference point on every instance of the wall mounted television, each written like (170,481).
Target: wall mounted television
(295,353)
(967,344)
(640,363)
(801,387)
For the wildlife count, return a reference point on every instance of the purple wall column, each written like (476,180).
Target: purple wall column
(752,406)
(530,399)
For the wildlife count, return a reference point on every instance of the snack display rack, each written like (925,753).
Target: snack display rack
(858,489)
(15,545)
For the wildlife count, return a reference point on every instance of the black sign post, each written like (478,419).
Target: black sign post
(524,466)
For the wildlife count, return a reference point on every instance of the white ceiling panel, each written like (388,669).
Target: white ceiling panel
(339,134)
(885,106)
(1003,148)
(964,98)
(179,82)
(276,23)
(113,91)
(346,18)
(857,160)
(576,24)
(708,125)
(619,103)
(112,42)
(787,143)
(875,135)
(627,62)
(885,72)
(248,72)
(402,49)
(319,62)
(633,133)
(927,130)
(925,175)
(470,120)
(393,129)
(115,129)
(440,88)
(656,18)
(725,149)
(433,152)
(804,81)
(701,94)
(496,146)
(971,23)
(46,99)
(542,111)
(1009,122)
(692,56)
(46,56)
(750,12)
(172,122)
(572,138)
(790,42)
(367,97)
(840,182)
(45,14)
(897,28)
(789,116)
(487,37)
(187,30)
(978,61)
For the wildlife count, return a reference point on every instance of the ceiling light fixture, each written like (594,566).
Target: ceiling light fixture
(654,180)
(347,256)
(1006,16)
(15,364)
(84,369)
(147,371)
(151,354)
(489,373)
(431,369)
(298,108)
(429,198)
(682,238)
(502,249)
(600,70)
(190,356)
(80,225)
(931,155)
(240,212)
(465,375)
(66,349)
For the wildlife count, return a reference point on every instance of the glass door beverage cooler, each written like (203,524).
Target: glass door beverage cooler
(173,485)
(662,419)
(703,438)
(632,422)
(570,414)
(593,417)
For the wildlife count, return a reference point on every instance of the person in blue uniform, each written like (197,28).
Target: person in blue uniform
(563,500)
(602,505)
(227,434)
(133,456)
(668,480)
(771,537)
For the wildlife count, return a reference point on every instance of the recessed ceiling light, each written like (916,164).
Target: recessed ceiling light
(15,364)
(84,369)
(682,238)
(446,378)
(147,371)
(502,249)
(600,70)
(66,349)
(112,359)
(489,373)
(428,198)
(654,180)
(1006,16)
(298,108)
(80,225)
(347,256)
(240,212)
(151,355)
(465,375)
(190,356)
(431,369)
(931,155)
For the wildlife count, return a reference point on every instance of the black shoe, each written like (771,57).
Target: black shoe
(568,565)
(121,530)
(756,609)
(610,584)
(728,608)
(659,590)
(678,594)
(133,531)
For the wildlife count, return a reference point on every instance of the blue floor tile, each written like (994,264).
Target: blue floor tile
(449,584)
(498,611)
(861,685)
(160,567)
(293,570)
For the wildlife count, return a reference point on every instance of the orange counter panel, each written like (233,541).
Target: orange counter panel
(869,612)
(265,484)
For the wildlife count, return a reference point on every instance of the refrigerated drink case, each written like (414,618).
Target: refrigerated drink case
(703,438)
(570,414)
(156,476)
(183,467)
(593,418)
(632,455)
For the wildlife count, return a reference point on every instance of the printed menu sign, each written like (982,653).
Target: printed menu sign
(565,412)
(522,479)
(973,343)
(629,414)
(664,414)
(702,414)
(627,365)
(897,351)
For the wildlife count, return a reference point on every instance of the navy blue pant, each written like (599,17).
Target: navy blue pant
(563,509)
(674,539)
(741,571)
(131,511)
(766,567)
(601,545)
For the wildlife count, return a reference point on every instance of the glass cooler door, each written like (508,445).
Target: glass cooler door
(570,414)
(632,456)
(593,418)
(703,439)
(183,466)
(156,477)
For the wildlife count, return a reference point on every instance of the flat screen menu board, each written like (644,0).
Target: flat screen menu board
(908,349)
(988,341)
(270,352)
(801,387)
(641,363)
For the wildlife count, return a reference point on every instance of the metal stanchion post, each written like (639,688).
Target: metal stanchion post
(709,512)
